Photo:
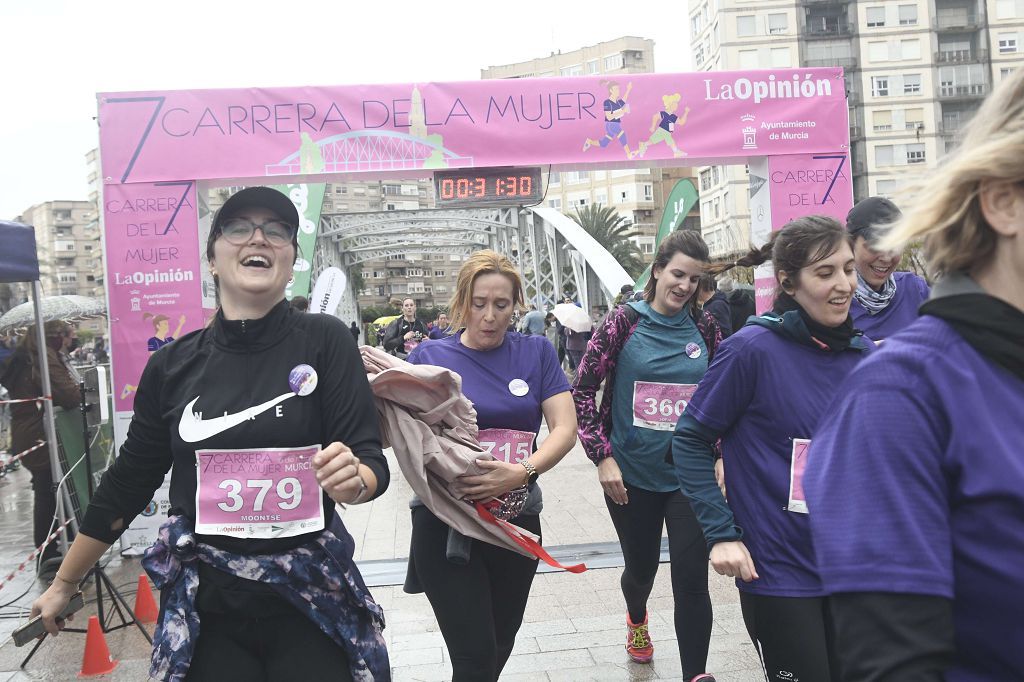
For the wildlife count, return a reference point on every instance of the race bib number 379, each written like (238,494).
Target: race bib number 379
(658,406)
(258,493)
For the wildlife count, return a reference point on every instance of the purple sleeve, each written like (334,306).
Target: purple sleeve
(729,385)
(877,494)
(553,378)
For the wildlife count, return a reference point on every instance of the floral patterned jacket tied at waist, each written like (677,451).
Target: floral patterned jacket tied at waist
(319,579)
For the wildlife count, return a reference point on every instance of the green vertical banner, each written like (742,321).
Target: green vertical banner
(682,198)
(308,200)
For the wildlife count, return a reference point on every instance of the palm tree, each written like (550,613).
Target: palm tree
(613,232)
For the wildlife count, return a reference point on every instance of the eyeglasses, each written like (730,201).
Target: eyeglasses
(239,231)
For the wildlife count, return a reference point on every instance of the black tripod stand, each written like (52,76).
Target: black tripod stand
(101,579)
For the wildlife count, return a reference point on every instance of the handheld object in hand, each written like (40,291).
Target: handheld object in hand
(34,628)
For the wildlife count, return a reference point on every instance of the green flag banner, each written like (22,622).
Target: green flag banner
(308,200)
(682,198)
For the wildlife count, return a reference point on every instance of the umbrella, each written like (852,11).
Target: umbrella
(66,308)
(387,319)
(573,317)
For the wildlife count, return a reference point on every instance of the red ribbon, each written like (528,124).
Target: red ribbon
(527,543)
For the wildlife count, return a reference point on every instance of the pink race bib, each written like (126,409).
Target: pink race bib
(658,406)
(797,466)
(508,445)
(258,493)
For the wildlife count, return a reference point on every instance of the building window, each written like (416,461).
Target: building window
(438,273)
(574,70)
(705,180)
(885,188)
(910,49)
(915,153)
(648,192)
(601,196)
(876,17)
(746,25)
(593,66)
(781,58)
(715,175)
(695,25)
(883,155)
(881,121)
(698,55)
(908,15)
(914,119)
(878,51)
(911,83)
(1006,9)
(777,24)
(554,177)
(555,203)
(748,59)
(613,62)
(1007,43)
(880,86)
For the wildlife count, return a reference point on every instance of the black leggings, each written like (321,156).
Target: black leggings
(44,506)
(278,647)
(479,606)
(638,525)
(793,636)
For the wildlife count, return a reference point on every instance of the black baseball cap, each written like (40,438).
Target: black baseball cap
(261,197)
(868,215)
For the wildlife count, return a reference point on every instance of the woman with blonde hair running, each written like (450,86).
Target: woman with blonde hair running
(915,480)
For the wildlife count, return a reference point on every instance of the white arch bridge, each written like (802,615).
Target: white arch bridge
(553,253)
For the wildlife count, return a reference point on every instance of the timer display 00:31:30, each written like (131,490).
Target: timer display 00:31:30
(511,186)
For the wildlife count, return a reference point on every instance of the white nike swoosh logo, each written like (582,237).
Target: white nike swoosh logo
(192,429)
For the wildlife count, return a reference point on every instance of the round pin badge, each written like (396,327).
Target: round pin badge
(302,380)
(693,350)
(518,387)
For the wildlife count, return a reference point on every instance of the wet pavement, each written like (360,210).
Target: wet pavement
(573,629)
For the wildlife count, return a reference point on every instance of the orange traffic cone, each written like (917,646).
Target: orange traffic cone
(146,610)
(97,659)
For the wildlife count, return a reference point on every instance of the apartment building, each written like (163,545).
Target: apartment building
(916,70)
(70,250)
(637,194)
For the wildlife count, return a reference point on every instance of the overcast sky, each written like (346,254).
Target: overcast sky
(58,54)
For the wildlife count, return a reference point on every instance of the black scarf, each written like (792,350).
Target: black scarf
(991,326)
(836,338)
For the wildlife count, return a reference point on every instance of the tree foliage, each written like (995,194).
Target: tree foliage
(614,233)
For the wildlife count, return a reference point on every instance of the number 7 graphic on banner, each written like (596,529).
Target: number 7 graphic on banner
(149,126)
(835,176)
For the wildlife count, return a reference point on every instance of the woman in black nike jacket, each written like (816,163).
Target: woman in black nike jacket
(265,420)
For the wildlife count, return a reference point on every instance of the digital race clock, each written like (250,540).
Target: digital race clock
(476,186)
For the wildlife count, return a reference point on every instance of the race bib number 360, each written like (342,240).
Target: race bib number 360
(508,445)
(658,406)
(258,493)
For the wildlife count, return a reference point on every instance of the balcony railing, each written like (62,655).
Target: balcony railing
(960,56)
(856,132)
(818,28)
(948,91)
(957,21)
(845,62)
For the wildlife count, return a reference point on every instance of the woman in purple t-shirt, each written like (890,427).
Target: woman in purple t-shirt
(886,301)
(916,477)
(763,397)
(514,381)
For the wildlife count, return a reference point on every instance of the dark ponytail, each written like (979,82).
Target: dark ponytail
(801,242)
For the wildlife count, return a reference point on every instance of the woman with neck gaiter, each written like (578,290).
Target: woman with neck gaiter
(763,397)
(885,301)
(916,476)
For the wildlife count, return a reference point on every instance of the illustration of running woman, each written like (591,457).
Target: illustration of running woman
(161,327)
(661,130)
(614,109)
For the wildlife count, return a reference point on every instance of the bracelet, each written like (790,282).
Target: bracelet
(362,490)
(61,578)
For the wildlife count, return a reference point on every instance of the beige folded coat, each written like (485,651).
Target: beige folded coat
(432,428)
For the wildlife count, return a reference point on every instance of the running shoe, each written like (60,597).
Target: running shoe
(638,641)
(703,677)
